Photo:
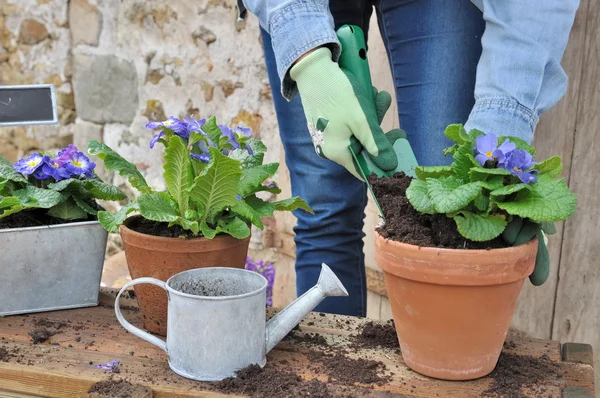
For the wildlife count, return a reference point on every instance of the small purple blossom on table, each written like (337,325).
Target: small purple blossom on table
(519,163)
(112,366)
(266,270)
(487,148)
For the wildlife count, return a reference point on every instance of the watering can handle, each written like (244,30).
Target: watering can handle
(128,326)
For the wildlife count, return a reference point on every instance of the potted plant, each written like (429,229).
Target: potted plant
(52,244)
(213,175)
(458,243)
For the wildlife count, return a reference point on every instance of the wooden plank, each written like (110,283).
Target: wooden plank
(63,367)
(373,305)
(554,136)
(386,309)
(576,315)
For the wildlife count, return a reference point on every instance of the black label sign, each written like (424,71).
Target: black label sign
(27,105)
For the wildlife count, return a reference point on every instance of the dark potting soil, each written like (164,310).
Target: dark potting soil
(161,229)
(118,389)
(35,218)
(376,335)
(349,371)
(4,355)
(40,335)
(516,373)
(265,383)
(404,224)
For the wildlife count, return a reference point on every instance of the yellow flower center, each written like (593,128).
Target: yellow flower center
(55,165)
(33,163)
(518,170)
(77,163)
(488,154)
(168,123)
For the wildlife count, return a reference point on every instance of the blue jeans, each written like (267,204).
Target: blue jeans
(433,47)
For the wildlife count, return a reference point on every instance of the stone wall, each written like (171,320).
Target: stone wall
(116,64)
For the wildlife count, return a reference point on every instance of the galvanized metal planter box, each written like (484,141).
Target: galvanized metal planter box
(51,267)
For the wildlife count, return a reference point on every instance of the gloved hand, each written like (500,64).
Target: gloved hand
(520,231)
(338,108)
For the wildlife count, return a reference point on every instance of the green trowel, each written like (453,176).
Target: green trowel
(354,59)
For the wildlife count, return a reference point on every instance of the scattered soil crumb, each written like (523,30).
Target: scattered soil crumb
(40,335)
(119,389)
(404,224)
(516,374)
(314,339)
(509,345)
(45,322)
(270,383)
(348,370)
(374,335)
(4,355)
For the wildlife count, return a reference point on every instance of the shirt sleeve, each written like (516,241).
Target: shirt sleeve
(519,75)
(295,26)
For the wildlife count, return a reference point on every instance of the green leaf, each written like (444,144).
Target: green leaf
(83,205)
(519,143)
(253,177)
(178,172)
(416,193)
(187,224)
(7,172)
(548,200)
(264,209)
(103,191)
(463,162)
(2,184)
(479,228)
(5,162)
(548,228)
(258,153)
(449,194)
(67,210)
(244,210)
(158,206)
(211,128)
(64,184)
(424,172)
(291,205)
(551,166)
(493,183)
(33,197)
(457,133)
(114,162)
(509,189)
(451,150)
(9,205)
(112,221)
(234,227)
(215,188)
(480,173)
(482,202)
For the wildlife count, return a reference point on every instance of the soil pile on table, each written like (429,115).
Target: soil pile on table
(516,374)
(377,335)
(161,229)
(349,370)
(4,355)
(119,389)
(40,335)
(404,224)
(264,383)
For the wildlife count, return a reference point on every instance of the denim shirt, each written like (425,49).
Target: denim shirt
(519,75)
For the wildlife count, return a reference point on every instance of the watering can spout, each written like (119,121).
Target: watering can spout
(281,324)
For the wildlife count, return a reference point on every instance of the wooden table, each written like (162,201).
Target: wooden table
(63,366)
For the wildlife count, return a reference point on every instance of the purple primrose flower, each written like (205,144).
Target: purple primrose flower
(79,165)
(266,270)
(519,163)
(29,165)
(203,157)
(52,168)
(487,149)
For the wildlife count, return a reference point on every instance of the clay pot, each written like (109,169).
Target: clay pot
(452,308)
(161,258)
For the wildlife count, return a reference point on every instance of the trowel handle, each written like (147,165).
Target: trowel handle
(354,55)
(128,326)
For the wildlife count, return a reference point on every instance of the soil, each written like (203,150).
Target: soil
(514,374)
(404,224)
(313,339)
(118,389)
(376,335)
(35,218)
(161,229)
(40,335)
(4,355)
(349,371)
(257,382)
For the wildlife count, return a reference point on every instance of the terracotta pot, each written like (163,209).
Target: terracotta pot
(452,308)
(161,258)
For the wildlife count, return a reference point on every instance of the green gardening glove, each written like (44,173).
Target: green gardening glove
(336,109)
(520,231)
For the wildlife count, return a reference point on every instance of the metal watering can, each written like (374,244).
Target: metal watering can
(216,319)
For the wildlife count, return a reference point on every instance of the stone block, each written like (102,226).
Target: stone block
(106,88)
(32,32)
(86,23)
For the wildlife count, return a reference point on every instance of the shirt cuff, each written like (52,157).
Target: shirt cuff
(295,30)
(503,117)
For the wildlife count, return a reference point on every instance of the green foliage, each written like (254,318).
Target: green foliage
(482,199)
(212,175)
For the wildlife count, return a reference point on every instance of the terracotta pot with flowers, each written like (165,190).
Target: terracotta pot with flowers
(213,175)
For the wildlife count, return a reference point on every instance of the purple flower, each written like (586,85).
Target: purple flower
(265,270)
(29,165)
(66,154)
(79,165)
(271,185)
(487,149)
(231,137)
(52,168)
(113,366)
(519,162)
(193,124)
(179,127)
(244,131)
(156,138)
(203,157)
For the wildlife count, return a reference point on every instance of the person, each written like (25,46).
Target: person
(493,65)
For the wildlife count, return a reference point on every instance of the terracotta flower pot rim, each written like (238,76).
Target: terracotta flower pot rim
(254,292)
(460,267)
(139,239)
